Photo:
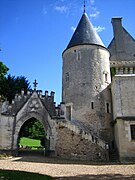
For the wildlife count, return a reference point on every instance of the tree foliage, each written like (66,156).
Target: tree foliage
(3,70)
(33,129)
(11,85)
(113,71)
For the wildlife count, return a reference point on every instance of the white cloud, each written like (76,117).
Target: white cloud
(61,9)
(95,14)
(44,11)
(73,28)
(92,2)
(99,28)
(94,11)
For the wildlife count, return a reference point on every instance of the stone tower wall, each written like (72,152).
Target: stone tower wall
(86,75)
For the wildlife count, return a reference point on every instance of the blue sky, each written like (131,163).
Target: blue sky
(34,33)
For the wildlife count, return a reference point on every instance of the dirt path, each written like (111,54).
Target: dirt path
(71,170)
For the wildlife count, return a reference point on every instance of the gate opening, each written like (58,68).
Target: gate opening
(32,138)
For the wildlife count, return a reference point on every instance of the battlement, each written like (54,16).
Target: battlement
(47,100)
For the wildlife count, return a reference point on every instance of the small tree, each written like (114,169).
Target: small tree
(3,70)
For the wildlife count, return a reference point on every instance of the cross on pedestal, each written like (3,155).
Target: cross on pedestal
(35,84)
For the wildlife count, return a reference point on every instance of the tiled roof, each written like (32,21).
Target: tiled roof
(85,34)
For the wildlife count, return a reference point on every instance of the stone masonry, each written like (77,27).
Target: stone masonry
(96,118)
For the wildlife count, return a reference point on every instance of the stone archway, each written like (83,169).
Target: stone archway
(44,120)
(32,138)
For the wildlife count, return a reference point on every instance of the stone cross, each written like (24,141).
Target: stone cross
(35,84)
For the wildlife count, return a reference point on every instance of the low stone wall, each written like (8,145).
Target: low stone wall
(73,146)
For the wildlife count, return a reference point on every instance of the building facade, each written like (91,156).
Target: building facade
(122,62)
(96,119)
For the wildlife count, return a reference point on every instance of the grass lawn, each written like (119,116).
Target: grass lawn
(19,175)
(29,142)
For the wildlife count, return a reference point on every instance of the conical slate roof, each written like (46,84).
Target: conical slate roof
(85,34)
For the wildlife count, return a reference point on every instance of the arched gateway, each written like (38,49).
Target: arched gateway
(23,108)
(31,116)
(33,138)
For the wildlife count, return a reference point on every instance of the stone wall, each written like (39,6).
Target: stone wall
(123,95)
(6,129)
(72,145)
(88,72)
(125,145)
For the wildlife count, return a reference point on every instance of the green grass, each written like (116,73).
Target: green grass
(29,142)
(19,175)
(4,155)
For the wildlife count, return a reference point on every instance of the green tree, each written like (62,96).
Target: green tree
(3,70)
(11,85)
(33,129)
(113,71)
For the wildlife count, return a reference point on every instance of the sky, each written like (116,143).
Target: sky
(34,33)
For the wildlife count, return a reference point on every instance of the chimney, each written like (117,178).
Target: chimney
(118,34)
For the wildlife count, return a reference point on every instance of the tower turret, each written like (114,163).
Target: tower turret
(86,75)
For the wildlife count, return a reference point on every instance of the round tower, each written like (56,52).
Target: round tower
(85,77)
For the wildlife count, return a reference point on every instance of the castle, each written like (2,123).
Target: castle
(96,119)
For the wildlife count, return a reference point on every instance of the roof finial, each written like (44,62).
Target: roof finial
(84,6)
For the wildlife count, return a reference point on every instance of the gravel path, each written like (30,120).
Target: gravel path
(71,170)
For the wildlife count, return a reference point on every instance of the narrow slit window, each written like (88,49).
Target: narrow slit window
(132,128)
(106,77)
(79,55)
(107,107)
(68,112)
(67,77)
(92,105)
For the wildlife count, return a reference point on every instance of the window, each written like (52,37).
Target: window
(92,105)
(79,55)
(67,77)
(68,112)
(108,108)
(105,77)
(132,128)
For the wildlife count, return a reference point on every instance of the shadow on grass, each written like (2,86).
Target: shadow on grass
(21,175)
(99,177)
